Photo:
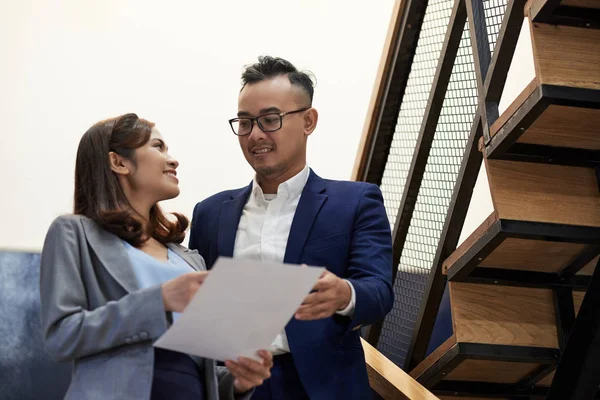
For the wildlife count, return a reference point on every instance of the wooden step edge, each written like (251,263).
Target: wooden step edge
(506,252)
(434,357)
(473,238)
(513,107)
(389,380)
(548,124)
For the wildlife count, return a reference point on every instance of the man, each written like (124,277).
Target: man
(289,214)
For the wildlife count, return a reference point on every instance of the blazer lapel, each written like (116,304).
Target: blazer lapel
(231,211)
(312,199)
(192,257)
(112,254)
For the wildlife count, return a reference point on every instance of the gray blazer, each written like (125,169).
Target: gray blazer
(94,314)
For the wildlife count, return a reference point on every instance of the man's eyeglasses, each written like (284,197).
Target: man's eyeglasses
(270,122)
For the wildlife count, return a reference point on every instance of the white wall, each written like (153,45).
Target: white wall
(67,64)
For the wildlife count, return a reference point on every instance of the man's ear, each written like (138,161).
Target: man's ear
(310,121)
(117,164)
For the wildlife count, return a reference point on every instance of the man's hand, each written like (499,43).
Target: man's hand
(249,373)
(330,294)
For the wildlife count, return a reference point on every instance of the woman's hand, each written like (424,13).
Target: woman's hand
(249,373)
(178,292)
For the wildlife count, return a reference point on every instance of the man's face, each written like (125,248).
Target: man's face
(273,154)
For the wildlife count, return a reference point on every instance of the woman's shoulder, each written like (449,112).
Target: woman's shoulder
(68,222)
(69,219)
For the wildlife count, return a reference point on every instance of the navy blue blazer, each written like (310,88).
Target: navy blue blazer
(339,225)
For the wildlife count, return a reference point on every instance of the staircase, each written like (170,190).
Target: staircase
(518,286)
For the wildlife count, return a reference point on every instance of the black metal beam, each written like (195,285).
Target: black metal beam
(583,259)
(455,218)
(479,41)
(551,232)
(578,372)
(482,248)
(514,127)
(530,279)
(501,352)
(540,373)
(541,10)
(482,57)
(543,154)
(413,12)
(553,12)
(504,50)
(575,16)
(564,310)
(572,96)
(485,389)
(442,367)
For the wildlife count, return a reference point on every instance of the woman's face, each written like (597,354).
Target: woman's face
(154,174)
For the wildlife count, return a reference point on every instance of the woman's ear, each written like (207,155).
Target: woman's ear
(118,164)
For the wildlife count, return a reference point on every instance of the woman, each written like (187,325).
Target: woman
(113,276)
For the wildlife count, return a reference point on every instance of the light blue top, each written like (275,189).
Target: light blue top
(151,272)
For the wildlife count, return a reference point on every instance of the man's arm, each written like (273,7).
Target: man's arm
(370,265)
(368,282)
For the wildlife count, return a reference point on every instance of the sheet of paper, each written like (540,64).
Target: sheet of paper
(239,309)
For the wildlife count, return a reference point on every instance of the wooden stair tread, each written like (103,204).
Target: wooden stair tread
(501,335)
(503,315)
(540,122)
(491,249)
(566,55)
(488,346)
(556,125)
(458,362)
(513,107)
(535,192)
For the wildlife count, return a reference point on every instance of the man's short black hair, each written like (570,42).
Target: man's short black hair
(269,67)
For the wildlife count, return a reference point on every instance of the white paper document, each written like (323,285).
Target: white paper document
(239,309)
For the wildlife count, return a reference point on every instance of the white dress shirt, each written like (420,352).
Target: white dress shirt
(264,229)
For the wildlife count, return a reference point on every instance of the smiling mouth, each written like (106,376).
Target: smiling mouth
(171,174)
(261,151)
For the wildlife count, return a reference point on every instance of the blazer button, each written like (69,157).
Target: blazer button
(144,336)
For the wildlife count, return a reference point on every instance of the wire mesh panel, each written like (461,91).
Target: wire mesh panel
(441,172)
(494,11)
(420,79)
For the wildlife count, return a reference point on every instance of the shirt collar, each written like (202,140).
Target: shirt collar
(291,188)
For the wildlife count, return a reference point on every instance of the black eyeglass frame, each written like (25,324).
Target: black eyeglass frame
(257,120)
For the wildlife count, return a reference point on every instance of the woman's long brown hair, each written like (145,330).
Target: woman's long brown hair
(98,193)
